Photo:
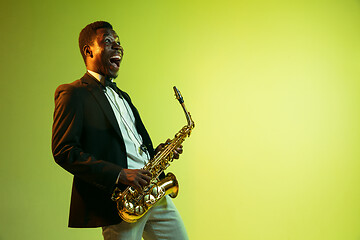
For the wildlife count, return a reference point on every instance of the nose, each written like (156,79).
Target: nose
(118,47)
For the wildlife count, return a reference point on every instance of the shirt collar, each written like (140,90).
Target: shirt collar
(98,76)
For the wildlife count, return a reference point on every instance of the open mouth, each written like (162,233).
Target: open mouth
(115,61)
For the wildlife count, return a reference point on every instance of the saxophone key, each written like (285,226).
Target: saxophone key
(155,191)
(139,210)
(129,206)
(149,199)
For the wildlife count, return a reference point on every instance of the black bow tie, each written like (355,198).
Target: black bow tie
(111,84)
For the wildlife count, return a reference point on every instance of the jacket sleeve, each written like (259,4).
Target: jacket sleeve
(66,141)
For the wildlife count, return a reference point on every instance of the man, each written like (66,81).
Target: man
(98,136)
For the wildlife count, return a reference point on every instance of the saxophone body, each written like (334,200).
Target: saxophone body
(133,204)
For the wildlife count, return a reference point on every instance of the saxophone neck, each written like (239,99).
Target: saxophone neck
(190,122)
(179,97)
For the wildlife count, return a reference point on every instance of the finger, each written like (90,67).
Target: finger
(137,186)
(145,178)
(176,154)
(145,172)
(159,147)
(143,182)
(179,150)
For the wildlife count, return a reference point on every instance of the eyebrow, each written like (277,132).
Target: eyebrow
(107,34)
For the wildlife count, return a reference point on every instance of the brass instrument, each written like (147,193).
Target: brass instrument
(133,204)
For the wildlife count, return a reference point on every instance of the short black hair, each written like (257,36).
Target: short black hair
(87,34)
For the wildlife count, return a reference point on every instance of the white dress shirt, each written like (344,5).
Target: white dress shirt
(126,120)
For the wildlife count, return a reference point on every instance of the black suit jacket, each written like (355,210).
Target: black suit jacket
(87,142)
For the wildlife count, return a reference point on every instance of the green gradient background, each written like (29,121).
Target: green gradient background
(273,87)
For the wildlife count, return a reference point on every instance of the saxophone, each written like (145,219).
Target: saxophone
(133,204)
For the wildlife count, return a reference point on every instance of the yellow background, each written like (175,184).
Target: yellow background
(273,87)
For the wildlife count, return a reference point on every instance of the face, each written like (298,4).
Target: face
(106,53)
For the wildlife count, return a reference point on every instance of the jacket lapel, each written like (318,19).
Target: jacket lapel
(97,90)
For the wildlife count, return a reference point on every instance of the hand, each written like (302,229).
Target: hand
(136,178)
(176,152)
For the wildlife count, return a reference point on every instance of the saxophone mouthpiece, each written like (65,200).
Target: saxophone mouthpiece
(178,95)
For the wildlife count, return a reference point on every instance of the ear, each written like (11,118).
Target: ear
(87,51)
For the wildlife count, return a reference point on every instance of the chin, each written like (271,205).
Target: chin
(112,74)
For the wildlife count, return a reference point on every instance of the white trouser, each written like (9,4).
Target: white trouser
(162,221)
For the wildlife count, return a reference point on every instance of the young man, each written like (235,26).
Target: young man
(98,136)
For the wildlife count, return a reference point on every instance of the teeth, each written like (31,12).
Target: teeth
(116,57)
